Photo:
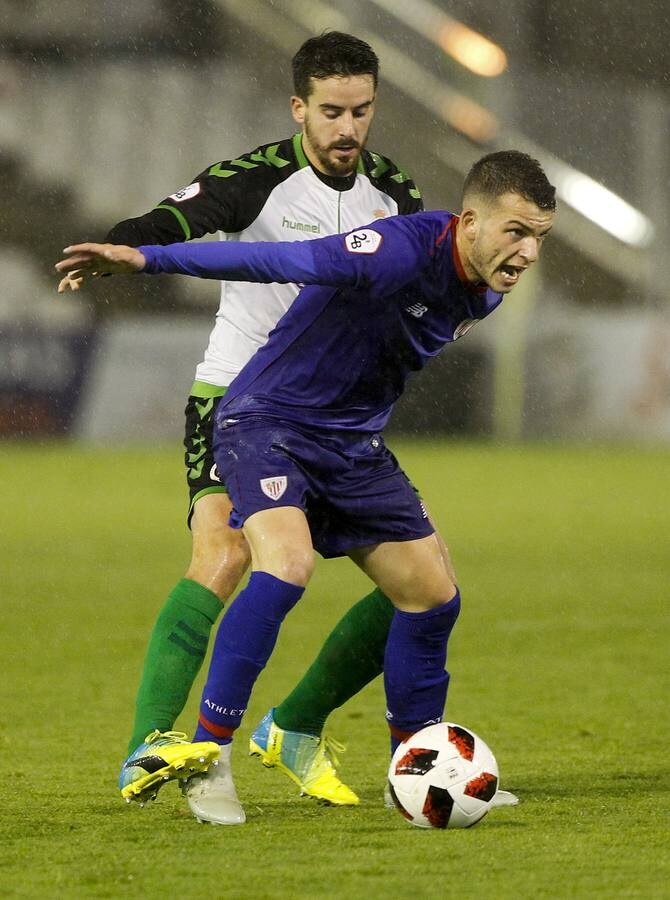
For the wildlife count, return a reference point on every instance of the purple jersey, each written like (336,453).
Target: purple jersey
(377,304)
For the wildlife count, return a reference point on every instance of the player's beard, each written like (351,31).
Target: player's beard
(327,156)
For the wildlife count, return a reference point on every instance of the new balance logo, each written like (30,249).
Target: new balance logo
(300,226)
(416,310)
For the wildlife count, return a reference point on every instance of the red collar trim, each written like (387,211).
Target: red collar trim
(478,287)
(460,271)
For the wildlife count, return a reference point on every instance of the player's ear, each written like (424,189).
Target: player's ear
(298,109)
(469,222)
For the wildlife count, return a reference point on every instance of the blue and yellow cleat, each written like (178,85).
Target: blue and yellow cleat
(309,761)
(162,757)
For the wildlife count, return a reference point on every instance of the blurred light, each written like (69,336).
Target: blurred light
(605,208)
(472,49)
(466,46)
(469,118)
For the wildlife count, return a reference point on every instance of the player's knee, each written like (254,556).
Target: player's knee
(295,566)
(420,597)
(219,560)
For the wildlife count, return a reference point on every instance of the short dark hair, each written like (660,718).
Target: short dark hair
(510,171)
(332,53)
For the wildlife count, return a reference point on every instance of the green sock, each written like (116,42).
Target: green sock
(352,656)
(177,647)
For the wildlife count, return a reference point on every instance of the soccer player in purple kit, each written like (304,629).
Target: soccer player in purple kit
(322,180)
(298,434)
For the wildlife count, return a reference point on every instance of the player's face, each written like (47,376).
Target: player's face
(502,239)
(335,121)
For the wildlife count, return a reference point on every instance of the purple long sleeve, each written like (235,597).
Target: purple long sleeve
(379,258)
(264,263)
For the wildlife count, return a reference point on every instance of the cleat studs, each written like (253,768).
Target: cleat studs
(201,759)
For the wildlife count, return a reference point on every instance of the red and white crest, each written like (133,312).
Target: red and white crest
(274,487)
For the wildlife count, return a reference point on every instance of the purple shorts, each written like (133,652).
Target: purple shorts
(351,489)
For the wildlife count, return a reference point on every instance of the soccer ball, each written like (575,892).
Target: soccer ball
(443,776)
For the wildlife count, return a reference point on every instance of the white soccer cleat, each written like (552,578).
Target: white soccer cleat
(212,796)
(500,798)
(504,798)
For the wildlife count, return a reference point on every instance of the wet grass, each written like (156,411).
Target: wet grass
(559,661)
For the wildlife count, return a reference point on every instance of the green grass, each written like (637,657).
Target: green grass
(559,660)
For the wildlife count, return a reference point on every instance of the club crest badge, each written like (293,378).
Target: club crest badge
(274,487)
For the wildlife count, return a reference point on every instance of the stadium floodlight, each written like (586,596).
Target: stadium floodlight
(467,46)
(472,49)
(602,206)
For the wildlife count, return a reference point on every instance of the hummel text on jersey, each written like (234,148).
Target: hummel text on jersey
(300,226)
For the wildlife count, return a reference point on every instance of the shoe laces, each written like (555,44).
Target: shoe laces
(328,754)
(164,735)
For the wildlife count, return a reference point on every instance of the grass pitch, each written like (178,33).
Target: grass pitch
(559,661)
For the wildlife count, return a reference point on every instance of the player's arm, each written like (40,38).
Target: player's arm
(226,196)
(235,261)
(379,258)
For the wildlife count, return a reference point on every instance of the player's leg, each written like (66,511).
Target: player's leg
(176,649)
(181,632)
(416,578)
(351,657)
(289,737)
(282,563)
(179,639)
(418,575)
(180,635)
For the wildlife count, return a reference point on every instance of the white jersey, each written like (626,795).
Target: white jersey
(271,194)
(300,208)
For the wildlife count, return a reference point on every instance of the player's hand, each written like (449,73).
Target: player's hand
(86,261)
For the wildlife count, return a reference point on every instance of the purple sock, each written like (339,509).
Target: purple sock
(244,642)
(414,676)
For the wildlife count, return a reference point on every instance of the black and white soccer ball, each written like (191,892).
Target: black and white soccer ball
(443,776)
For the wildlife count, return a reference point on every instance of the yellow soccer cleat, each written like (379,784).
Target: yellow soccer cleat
(309,761)
(163,757)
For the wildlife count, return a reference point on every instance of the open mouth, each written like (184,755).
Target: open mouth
(510,274)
